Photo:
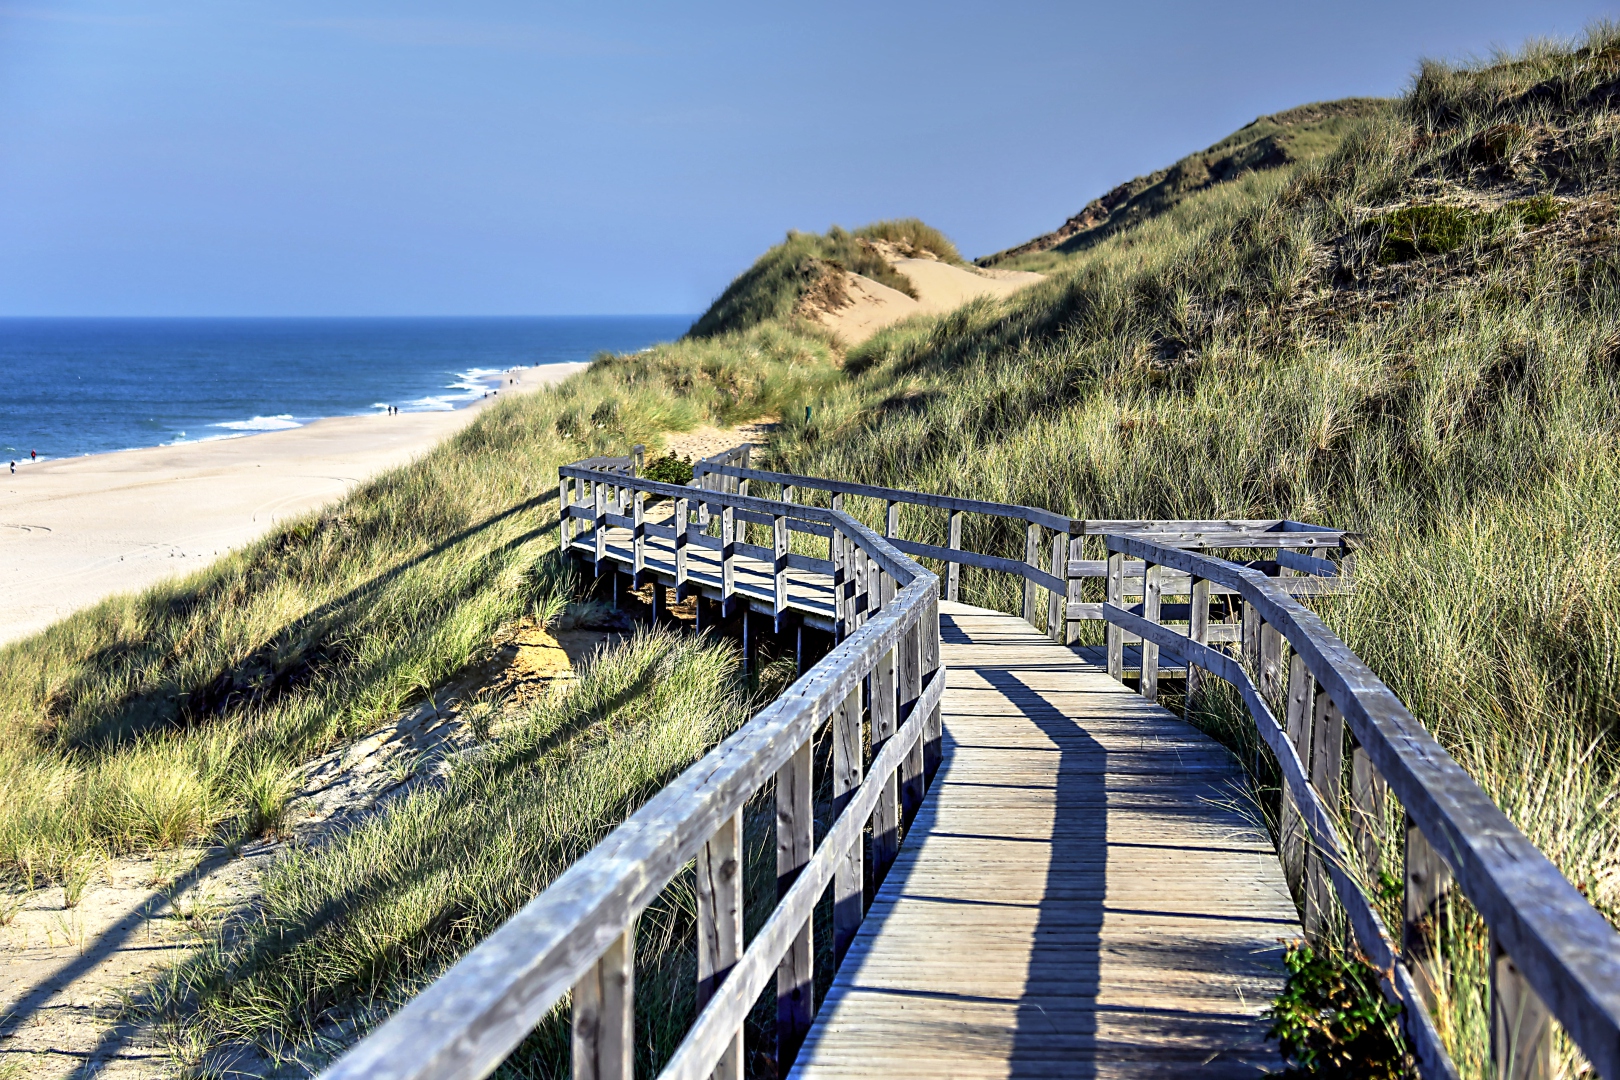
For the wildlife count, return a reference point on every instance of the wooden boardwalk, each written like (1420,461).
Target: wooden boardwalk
(1082,894)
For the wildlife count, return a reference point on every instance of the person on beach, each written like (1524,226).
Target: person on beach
(33,455)
(13,468)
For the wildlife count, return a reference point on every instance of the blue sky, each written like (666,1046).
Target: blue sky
(303,158)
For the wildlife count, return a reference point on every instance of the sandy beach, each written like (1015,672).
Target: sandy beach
(77,530)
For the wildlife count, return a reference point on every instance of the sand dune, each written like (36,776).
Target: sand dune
(940,287)
(75,531)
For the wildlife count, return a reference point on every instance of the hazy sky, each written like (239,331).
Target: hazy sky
(483,157)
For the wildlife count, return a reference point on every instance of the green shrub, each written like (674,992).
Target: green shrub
(1332,1022)
(1413,231)
(670,469)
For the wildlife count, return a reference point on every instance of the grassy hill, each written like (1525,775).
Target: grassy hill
(1267,144)
(1401,318)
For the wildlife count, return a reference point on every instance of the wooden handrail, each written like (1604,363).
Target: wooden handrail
(579,933)
(1545,936)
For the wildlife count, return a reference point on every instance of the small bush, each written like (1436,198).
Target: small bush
(1333,1022)
(910,233)
(670,469)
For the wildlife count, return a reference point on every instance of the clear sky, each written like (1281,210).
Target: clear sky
(295,157)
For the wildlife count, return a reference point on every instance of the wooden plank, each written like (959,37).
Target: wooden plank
(728,557)
(886,816)
(1291,830)
(1074,899)
(1150,651)
(1056,597)
(1198,630)
(953,568)
(1074,593)
(1428,879)
(849,904)
(720,925)
(1116,596)
(779,584)
(1367,790)
(1521,1027)
(909,674)
(1327,764)
(1032,558)
(604,1016)
(679,545)
(639,540)
(795,844)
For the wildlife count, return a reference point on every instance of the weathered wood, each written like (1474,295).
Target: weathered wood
(779,589)
(886,816)
(1074,593)
(604,1019)
(1271,663)
(679,543)
(1032,558)
(1198,630)
(953,568)
(1367,791)
(891,521)
(599,529)
(1291,830)
(795,844)
(909,688)
(720,924)
(849,906)
(1521,1027)
(1056,598)
(1077,897)
(565,519)
(933,730)
(1327,765)
(1116,596)
(1150,651)
(728,558)
(1428,879)
(1033,574)
(639,539)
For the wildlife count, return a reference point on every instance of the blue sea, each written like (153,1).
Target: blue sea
(85,386)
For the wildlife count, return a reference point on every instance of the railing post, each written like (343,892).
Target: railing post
(1521,1027)
(1251,642)
(728,551)
(638,541)
(720,925)
(859,606)
(849,904)
(1327,764)
(795,975)
(934,733)
(779,583)
(886,816)
(1271,658)
(1427,881)
(638,459)
(1367,789)
(1116,633)
(1032,557)
(891,520)
(885,582)
(1075,591)
(910,689)
(1291,830)
(835,554)
(1151,575)
(1198,630)
(682,512)
(1056,598)
(600,531)
(953,570)
(604,1022)
(565,520)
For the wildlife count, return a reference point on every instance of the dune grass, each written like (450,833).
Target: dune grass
(416,886)
(177,715)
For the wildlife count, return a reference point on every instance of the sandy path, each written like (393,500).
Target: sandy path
(75,531)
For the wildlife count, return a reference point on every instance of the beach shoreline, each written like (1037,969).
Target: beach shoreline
(76,530)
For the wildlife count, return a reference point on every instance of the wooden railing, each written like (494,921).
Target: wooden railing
(1310,560)
(879,692)
(1551,954)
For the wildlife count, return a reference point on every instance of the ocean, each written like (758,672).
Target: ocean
(86,386)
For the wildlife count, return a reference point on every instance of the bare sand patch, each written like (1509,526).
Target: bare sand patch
(858,307)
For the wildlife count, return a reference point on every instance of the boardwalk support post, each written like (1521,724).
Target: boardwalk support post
(795,975)
(953,569)
(604,1022)
(720,925)
(1521,1027)
(1151,576)
(1032,558)
(849,905)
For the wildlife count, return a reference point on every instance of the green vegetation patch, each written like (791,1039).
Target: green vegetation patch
(1332,1022)
(1435,229)
(670,469)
